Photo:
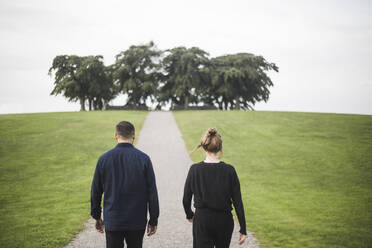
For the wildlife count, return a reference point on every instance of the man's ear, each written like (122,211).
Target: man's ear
(116,136)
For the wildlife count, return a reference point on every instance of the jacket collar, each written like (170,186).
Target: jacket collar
(124,144)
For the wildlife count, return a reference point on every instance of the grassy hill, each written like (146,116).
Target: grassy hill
(46,167)
(306,177)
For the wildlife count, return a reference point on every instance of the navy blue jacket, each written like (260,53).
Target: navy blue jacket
(126,178)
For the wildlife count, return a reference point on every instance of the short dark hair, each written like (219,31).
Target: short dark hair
(125,129)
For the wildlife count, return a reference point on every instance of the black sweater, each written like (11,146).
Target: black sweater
(215,186)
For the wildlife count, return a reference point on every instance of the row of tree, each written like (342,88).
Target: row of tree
(179,77)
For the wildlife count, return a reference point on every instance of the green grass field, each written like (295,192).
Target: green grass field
(46,167)
(306,177)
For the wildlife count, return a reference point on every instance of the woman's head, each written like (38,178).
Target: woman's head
(211,141)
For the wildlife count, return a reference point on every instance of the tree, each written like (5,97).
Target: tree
(83,78)
(99,79)
(178,76)
(135,73)
(238,81)
(183,75)
(66,80)
(111,90)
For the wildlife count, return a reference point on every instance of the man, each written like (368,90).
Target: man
(126,178)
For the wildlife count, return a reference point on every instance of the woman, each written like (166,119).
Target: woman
(215,186)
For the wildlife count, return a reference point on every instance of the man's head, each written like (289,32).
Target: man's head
(125,132)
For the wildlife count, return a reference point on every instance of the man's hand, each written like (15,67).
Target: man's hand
(242,238)
(98,224)
(190,220)
(151,230)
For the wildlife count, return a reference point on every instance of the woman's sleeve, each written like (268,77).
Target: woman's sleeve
(238,204)
(187,196)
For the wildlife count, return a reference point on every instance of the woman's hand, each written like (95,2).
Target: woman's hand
(242,238)
(190,220)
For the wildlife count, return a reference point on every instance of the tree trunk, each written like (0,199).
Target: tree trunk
(225,104)
(95,105)
(105,104)
(90,104)
(100,105)
(237,103)
(82,104)
(186,102)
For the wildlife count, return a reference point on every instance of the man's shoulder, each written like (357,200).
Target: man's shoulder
(115,151)
(106,154)
(141,153)
(132,150)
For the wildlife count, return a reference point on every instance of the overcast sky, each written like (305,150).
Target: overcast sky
(323,48)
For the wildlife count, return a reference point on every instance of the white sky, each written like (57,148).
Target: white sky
(323,48)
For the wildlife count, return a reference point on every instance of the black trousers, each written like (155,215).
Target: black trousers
(133,239)
(212,229)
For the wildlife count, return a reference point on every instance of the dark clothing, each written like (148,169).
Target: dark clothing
(126,177)
(115,239)
(215,186)
(212,229)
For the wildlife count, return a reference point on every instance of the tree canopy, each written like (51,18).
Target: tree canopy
(179,77)
(136,71)
(238,81)
(84,79)
(182,75)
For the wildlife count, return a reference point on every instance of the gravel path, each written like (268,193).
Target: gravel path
(161,139)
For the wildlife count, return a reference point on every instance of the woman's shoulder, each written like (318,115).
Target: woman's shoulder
(228,166)
(220,164)
(196,164)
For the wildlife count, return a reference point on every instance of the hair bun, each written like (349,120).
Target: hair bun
(212,131)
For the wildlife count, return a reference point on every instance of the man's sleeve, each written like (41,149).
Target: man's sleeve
(153,200)
(187,197)
(96,193)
